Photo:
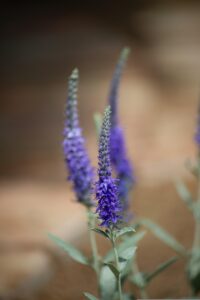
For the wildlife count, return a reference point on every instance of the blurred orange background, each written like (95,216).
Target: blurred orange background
(41,44)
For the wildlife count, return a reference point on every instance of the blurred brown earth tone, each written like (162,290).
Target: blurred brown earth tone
(158,108)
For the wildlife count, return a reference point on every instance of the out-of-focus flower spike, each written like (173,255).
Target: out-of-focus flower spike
(118,153)
(109,207)
(76,157)
(115,84)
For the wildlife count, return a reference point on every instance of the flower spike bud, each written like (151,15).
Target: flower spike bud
(76,157)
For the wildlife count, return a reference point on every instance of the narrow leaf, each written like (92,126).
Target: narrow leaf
(126,260)
(185,194)
(164,236)
(123,264)
(71,250)
(124,231)
(187,199)
(90,296)
(128,253)
(101,232)
(113,269)
(160,268)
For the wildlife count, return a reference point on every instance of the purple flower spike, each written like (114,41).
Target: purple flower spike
(109,207)
(76,157)
(118,152)
(113,96)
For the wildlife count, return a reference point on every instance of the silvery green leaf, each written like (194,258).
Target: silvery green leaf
(126,269)
(108,283)
(122,264)
(160,268)
(90,296)
(185,194)
(71,250)
(101,232)
(128,242)
(127,253)
(125,256)
(164,236)
(131,241)
(124,231)
(113,269)
(98,122)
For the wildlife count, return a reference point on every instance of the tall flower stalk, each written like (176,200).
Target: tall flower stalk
(109,207)
(76,157)
(118,153)
(77,161)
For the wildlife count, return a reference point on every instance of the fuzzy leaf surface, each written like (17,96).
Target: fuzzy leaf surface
(108,283)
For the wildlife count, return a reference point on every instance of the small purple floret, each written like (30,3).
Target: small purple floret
(76,157)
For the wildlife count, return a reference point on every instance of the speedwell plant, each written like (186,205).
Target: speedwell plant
(106,198)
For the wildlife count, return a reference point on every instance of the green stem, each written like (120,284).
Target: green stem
(95,255)
(136,271)
(119,285)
